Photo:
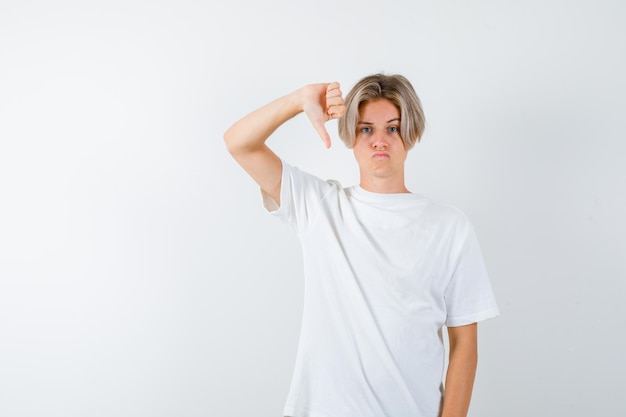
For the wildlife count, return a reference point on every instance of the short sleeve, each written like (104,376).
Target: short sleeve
(469,297)
(300,196)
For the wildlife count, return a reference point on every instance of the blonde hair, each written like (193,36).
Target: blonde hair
(394,88)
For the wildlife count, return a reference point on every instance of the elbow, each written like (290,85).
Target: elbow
(230,142)
(239,144)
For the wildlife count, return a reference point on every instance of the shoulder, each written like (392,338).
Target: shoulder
(447,213)
(301,187)
(300,176)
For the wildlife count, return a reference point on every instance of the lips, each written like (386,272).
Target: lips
(378,155)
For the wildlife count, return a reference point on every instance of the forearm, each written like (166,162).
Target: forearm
(250,133)
(460,378)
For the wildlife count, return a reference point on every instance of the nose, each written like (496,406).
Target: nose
(379,141)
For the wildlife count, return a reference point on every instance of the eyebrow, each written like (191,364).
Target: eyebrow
(397,119)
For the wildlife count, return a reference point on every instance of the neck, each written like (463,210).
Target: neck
(383,185)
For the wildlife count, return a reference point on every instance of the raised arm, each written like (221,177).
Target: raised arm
(245,140)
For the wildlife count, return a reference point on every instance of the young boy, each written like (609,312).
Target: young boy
(385,269)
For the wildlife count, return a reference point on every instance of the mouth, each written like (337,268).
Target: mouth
(380,155)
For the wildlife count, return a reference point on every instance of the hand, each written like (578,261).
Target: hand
(321,103)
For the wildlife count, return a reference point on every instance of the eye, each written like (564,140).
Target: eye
(366,129)
(394,129)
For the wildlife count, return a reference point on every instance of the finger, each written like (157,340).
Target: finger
(335,112)
(321,130)
(334,101)
(332,86)
(333,91)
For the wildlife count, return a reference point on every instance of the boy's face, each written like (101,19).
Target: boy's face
(378,147)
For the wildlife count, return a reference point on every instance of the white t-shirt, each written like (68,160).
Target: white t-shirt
(383,274)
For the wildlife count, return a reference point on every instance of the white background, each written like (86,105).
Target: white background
(139,275)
